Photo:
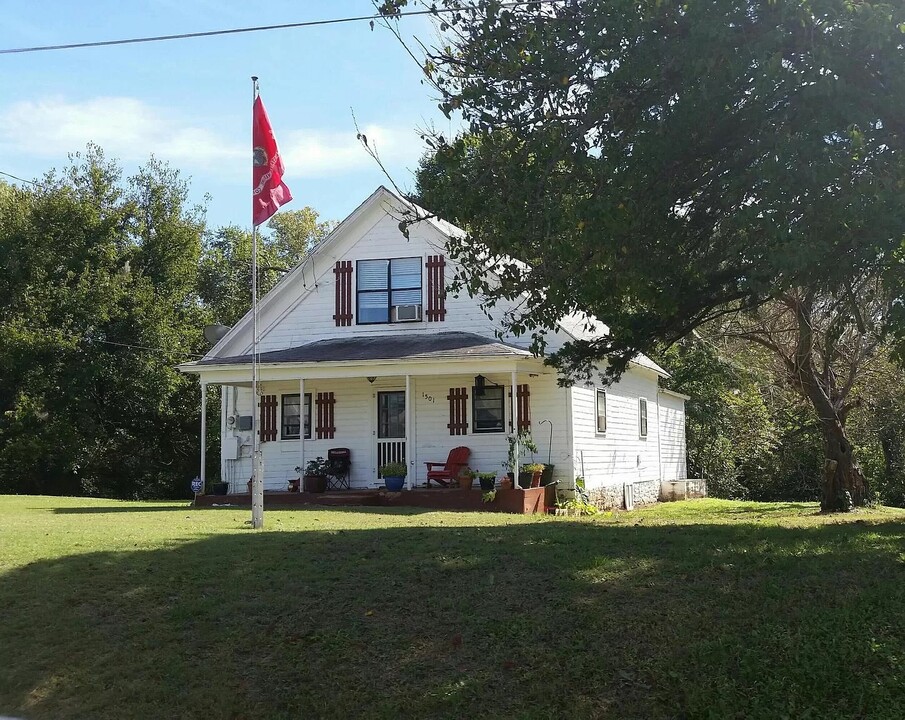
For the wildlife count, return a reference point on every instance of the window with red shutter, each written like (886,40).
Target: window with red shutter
(458,411)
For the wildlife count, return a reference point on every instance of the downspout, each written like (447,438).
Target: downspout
(659,448)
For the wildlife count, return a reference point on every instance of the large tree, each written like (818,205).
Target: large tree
(661,164)
(98,277)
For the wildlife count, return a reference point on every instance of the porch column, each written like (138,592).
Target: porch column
(408,432)
(302,417)
(203,474)
(513,415)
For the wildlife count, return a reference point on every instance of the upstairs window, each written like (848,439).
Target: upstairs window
(385,284)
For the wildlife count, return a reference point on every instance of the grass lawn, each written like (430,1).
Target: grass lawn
(704,609)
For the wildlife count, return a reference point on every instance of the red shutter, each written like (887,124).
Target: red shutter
(343,306)
(325,428)
(458,408)
(522,408)
(436,289)
(523,405)
(268,422)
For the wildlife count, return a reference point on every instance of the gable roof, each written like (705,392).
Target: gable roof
(579,326)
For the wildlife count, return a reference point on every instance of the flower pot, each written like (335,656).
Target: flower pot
(466,482)
(394,484)
(506,483)
(487,484)
(219,488)
(295,485)
(315,483)
(524,479)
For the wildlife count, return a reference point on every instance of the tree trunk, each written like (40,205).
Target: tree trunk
(844,486)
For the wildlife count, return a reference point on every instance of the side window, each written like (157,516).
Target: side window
(642,417)
(601,411)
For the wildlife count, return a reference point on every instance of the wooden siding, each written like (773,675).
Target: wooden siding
(672,437)
(620,455)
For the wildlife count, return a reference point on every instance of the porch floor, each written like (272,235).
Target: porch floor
(520,501)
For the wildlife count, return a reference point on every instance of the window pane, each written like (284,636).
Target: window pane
(291,417)
(406,297)
(643,415)
(391,414)
(373,307)
(487,409)
(601,411)
(406,273)
(372,274)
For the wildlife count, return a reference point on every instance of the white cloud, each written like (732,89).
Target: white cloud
(126,128)
(131,130)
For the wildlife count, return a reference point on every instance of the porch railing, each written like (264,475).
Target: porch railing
(390,451)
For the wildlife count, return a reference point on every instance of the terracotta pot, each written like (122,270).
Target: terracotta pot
(535,479)
(466,482)
(506,483)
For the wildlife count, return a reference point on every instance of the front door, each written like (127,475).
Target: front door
(390,427)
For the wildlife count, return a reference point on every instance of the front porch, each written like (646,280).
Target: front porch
(519,501)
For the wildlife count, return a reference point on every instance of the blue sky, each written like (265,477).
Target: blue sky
(189,101)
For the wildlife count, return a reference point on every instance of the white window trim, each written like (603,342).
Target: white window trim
(647,418)
(597,430)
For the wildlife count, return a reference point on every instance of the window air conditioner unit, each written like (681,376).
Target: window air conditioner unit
(406,313)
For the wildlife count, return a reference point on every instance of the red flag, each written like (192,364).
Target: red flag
(270,192)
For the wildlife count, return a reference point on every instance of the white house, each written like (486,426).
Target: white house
(361,348)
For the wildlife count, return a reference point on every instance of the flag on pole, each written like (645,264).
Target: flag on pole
(270,192)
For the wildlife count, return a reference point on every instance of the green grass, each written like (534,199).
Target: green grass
(705,609)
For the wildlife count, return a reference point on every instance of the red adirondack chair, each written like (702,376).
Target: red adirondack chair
(458,458)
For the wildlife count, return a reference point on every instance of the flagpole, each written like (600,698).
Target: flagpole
(257,480)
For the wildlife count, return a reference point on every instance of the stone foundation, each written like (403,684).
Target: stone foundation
(613,496)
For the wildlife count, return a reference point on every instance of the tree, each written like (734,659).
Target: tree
(225,271)
(98,277)
(663,164)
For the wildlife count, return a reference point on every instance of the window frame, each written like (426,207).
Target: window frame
(303,403)
(388,289)
(474,410)
(643,418)
(600,392)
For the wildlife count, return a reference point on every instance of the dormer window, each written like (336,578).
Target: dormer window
(388,291)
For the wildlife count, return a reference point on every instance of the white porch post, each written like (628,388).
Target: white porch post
(513,416)
(302,417)
(203,473)
(408,432)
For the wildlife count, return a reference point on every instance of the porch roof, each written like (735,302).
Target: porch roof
(402,346)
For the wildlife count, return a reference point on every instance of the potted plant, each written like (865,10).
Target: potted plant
(393,475)
(530,475)
(316,472)
(466,478)
(525,444)
(487,480)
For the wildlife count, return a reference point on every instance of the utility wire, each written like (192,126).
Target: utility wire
(15,177)
(257,28)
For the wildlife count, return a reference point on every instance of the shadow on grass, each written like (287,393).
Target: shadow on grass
(104,509)
(542,620)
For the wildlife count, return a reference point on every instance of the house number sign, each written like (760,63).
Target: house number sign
(429,398)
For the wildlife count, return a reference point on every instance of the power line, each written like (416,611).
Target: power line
(15,177)
(257,28)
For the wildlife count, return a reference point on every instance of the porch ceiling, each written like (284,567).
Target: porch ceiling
(401,346)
